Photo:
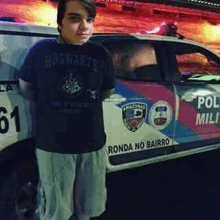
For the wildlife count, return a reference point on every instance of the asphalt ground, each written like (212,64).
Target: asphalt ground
(181,189)
(184,189)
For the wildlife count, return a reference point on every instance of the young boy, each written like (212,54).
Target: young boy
(68,78)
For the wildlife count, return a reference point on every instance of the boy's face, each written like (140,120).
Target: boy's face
(77,26)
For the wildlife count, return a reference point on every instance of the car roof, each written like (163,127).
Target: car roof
(39,29)
(27,27)
(33,28)
(149,37)
(105,36)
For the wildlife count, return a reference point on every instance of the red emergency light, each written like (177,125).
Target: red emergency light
(165,29)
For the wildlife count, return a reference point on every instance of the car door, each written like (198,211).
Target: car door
(139,117)
(16,112)
(15,118)
(198,97)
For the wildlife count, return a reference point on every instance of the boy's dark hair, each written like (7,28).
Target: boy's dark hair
(89,5)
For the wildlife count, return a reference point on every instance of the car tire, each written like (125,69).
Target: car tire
(19,193)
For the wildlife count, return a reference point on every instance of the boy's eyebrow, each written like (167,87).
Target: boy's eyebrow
(72,13)
(75,14)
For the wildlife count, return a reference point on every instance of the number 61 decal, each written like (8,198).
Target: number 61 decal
(4,123)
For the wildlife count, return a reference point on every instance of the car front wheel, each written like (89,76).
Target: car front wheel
(19,192)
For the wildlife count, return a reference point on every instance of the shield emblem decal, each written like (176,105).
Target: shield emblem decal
(133,115)
(160,117)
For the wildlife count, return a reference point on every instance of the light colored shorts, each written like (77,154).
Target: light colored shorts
(71,183)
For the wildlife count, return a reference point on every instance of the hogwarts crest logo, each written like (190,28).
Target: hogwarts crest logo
(71,85)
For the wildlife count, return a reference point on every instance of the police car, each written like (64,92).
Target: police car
(166,105)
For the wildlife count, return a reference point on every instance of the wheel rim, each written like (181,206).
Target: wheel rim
(25,201)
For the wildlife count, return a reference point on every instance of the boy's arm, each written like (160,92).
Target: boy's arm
(106,93)
(27,90)
(27,77)
(109,78)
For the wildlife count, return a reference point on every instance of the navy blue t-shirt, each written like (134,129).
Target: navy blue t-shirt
(69,107)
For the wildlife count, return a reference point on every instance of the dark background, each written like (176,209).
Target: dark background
(185,189)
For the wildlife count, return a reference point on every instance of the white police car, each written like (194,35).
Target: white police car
(166,105)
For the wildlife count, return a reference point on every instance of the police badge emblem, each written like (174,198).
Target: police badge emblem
(133,115)
(160,115)
(71,85)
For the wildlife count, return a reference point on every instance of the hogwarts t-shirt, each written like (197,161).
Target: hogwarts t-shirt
(69,107)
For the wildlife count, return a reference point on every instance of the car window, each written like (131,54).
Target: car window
(195,62)
(13,50)
(135,60)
